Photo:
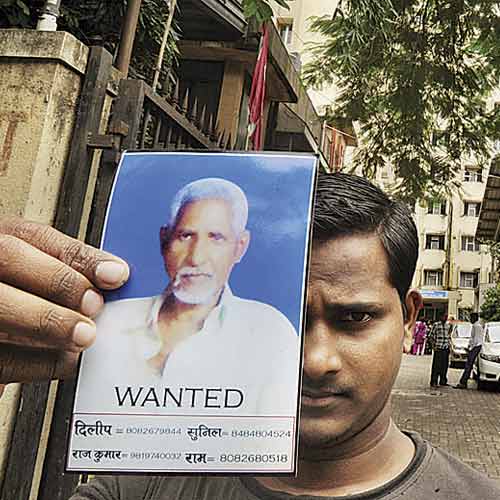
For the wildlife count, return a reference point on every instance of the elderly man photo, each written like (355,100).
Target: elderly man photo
(361,314)
(197,333)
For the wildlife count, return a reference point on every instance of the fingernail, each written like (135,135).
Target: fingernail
(112,273)
(91,303)
(83,335)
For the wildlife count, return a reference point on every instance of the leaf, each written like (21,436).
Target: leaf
(24,7)
(260,10)
(283,3)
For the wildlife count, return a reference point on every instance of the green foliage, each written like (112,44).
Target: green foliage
(416,75)
(490,310)
(260,10)
(15,13)
(493,249)
(98,22)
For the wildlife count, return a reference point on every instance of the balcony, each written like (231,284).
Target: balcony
(220,20)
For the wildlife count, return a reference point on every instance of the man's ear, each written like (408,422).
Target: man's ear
(413,303)
(243,242)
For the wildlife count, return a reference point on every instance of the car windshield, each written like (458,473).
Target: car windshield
(463,331)
(494,334)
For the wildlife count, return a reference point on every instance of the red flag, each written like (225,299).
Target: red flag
(258,93)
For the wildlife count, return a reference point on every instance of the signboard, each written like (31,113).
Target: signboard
(196,367)
(434,294)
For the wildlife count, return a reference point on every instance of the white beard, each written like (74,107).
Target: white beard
(195,295)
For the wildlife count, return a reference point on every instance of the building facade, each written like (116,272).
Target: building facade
(294,27)
(452,266)
(452,262)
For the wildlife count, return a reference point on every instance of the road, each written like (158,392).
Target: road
(466,423)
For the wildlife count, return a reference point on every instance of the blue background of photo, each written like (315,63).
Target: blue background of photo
(278,191)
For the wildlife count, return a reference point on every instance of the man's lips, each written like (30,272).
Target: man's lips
(196,276)
(320,399)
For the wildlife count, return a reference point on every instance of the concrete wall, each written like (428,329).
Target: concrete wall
(40,84)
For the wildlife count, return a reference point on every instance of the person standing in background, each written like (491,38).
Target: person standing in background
(440,343)
(419,337)
(475,344)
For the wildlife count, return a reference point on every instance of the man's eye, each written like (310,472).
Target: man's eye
(217,236)
(356,317)
(184,236)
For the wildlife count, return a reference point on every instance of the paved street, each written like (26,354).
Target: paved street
(465,423)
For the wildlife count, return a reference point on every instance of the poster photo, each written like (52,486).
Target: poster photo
(196,367)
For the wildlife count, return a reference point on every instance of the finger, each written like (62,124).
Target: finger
(24,266)
(29,320)
(101,268)
(18,364)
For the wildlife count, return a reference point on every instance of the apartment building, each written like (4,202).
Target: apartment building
(452,263)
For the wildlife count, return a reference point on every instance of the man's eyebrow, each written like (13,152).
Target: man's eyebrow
(360,306)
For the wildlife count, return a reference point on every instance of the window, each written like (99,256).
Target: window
(473,175)
(286,31)
(472,208)
(436,207)
(434,241)
(470,244)
(463,314)
(468,280)
(433,277)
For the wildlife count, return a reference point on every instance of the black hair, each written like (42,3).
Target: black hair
(474,317)
(348,204)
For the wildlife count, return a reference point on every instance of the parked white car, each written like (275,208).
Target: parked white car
(460,337)
(487,366)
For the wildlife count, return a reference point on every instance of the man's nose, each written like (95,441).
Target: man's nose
(321,353)
(197,252)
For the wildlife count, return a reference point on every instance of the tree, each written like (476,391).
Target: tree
(416,75)
(490,310)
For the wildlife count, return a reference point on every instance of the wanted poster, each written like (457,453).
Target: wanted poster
(196,367)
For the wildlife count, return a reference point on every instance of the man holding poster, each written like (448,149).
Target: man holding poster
(196,333)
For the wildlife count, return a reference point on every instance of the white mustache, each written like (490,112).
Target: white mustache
(189,271)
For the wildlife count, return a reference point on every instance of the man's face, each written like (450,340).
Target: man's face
(202,251)
(354,341)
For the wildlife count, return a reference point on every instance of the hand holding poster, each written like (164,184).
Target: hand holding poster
(197,363)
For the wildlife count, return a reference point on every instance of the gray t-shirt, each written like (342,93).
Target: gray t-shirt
(432,474)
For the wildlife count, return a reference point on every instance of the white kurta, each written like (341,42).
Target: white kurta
(243,344)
